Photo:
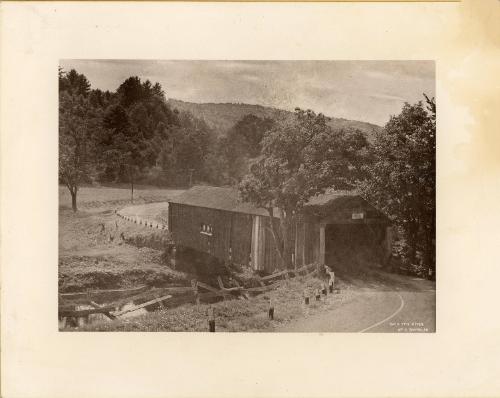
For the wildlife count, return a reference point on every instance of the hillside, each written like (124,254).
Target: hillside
(221,117)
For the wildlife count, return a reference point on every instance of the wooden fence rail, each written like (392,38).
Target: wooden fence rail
(97,293)
(137,307)
(81,313)
(166,293)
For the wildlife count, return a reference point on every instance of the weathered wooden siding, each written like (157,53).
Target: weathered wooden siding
(264,255)
(247,239)
(229,231)
(271,258)
(241,238)
(311,246)
(299,244)
(264,251)
(257,249)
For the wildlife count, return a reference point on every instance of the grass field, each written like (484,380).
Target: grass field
(92,251)
(94,197)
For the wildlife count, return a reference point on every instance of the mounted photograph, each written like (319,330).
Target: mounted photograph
(247,196)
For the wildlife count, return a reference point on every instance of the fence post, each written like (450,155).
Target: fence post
(271,309)
(211,320)
(306,297)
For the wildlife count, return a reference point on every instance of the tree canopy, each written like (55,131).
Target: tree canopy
(79,121)
(300,158)
(131,135)
(401,179)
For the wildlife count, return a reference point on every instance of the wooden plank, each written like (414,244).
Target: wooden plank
(207,287)
(152,293)
(227,289)
(87,312)
(100,292)
(253,244)
(137,307)
(125,300)
(177,289)
(219,281)
(273,276)
(96,305)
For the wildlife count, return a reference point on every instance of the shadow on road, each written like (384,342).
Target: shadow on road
(374,279)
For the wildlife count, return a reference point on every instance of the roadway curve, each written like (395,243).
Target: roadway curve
(404,308)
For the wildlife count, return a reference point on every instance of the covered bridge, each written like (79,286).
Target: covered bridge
(215,221)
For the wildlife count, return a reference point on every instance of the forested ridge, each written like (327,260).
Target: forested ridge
(275,158)
(221,117)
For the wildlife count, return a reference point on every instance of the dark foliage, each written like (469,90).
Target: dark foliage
(402,178)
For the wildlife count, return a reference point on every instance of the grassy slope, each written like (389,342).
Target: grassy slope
(234,315)
(87,256)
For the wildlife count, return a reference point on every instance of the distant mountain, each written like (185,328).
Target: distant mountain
(221,117)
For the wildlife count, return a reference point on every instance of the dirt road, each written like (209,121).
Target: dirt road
(395,304)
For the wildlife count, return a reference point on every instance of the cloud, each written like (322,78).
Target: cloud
(362,90)
(387,97)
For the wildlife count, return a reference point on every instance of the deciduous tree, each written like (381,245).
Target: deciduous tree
(402,179)
(299,159)
(78,122)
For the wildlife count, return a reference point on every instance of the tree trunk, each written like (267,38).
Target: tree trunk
(132,191)
(278,243)
(73,200)
(287,242)
(282,238)
(287,252)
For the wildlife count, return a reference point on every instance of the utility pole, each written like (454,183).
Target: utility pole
(191,177)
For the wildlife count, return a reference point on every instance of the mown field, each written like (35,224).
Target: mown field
(95,197)
(93,249)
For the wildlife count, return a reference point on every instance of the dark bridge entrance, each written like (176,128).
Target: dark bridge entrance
(353,245)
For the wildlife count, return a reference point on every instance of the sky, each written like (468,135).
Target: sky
(369,91)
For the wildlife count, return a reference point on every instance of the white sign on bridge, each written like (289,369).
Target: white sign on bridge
(358,216)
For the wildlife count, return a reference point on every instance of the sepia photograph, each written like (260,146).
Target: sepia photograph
(247,196)
(249,199)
